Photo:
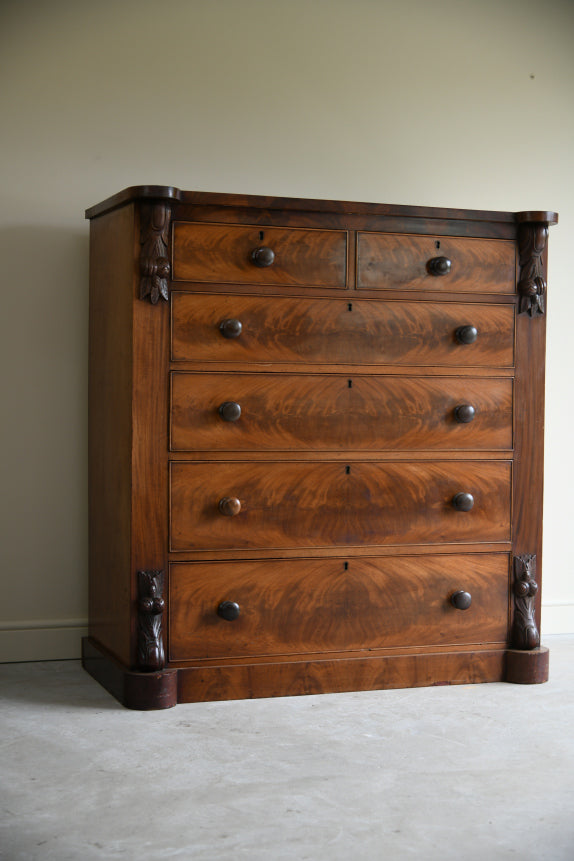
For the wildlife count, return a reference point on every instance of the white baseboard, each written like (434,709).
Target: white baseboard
(557,618)
(42,640)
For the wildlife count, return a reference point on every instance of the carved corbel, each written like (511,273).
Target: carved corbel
(150,609)
(154,260)
(532,240)
(524,631)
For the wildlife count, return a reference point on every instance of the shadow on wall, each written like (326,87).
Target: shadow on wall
(44,343)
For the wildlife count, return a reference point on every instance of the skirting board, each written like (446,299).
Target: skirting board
(45,640)
(557,618)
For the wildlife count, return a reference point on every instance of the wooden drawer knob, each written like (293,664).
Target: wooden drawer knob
(229,610)
(439,266)
(262,257)
(231,328)
(466,334)
(230,506)
(464,413)
(461,600)
(230,411)
(463,501)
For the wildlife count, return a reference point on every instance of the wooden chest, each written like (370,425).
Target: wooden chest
(316,434)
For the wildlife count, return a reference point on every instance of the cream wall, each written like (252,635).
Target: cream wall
(461,103)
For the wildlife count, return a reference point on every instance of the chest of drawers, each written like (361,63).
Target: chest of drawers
(316,436)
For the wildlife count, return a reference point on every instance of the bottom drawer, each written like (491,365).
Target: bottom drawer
(295,606)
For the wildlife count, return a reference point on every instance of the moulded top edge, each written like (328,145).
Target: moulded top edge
(203,198)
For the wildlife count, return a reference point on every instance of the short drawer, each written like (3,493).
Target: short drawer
(332,412)
(323,605)
(235,328)
(438,263)
(244,505)
(242,254)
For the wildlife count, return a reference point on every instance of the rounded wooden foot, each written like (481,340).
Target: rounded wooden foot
(527,667)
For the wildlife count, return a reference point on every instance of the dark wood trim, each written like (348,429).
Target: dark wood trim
(134,194)
(527,668)
(201,198)
(141,691)
(524,630)
(151,605)
(155,266)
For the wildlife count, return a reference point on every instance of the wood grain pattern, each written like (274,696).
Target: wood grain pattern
(477,265)
(222,253)
(333,504)
(338,454)
(295,678)
(109,431)
(528,469)
(337,412)
(303,606)
(334,331)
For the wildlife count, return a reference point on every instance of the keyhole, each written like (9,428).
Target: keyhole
(346,566)
(261,235)
(350,384)
(437,244)
(348,470)
(350,306)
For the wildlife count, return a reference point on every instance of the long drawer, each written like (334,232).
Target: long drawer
(322,605)
(229,505)
(236,328)
(244,254)
(437,263)
(280,412)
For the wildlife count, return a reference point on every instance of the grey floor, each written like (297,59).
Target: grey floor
(471,772)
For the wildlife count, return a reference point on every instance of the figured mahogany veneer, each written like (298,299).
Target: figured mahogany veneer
(302,606)
(335,331)
(333,504)
(224,254)
(293,412)
(316,434)
(388,261)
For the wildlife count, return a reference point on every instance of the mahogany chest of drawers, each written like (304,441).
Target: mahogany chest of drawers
(316,434)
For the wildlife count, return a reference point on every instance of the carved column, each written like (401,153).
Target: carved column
(150,609)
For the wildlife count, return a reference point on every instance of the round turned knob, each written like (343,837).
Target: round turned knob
(439,266)
(263,256)
(230,506)
(230,411)
(461,600)
(231,328)
(463,501)
(464,413)
(466,334)
(228,610)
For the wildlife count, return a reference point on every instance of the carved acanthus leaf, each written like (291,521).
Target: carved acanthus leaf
(532,239)
(154,259)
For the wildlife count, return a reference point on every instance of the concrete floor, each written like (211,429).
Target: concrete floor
(463,773)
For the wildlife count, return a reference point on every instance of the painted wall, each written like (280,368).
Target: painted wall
(461,103)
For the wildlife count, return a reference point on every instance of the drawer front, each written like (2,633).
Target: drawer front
(322,605)
(230,254)
(289,505)
(405,262)
(331,412)
(320,331)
